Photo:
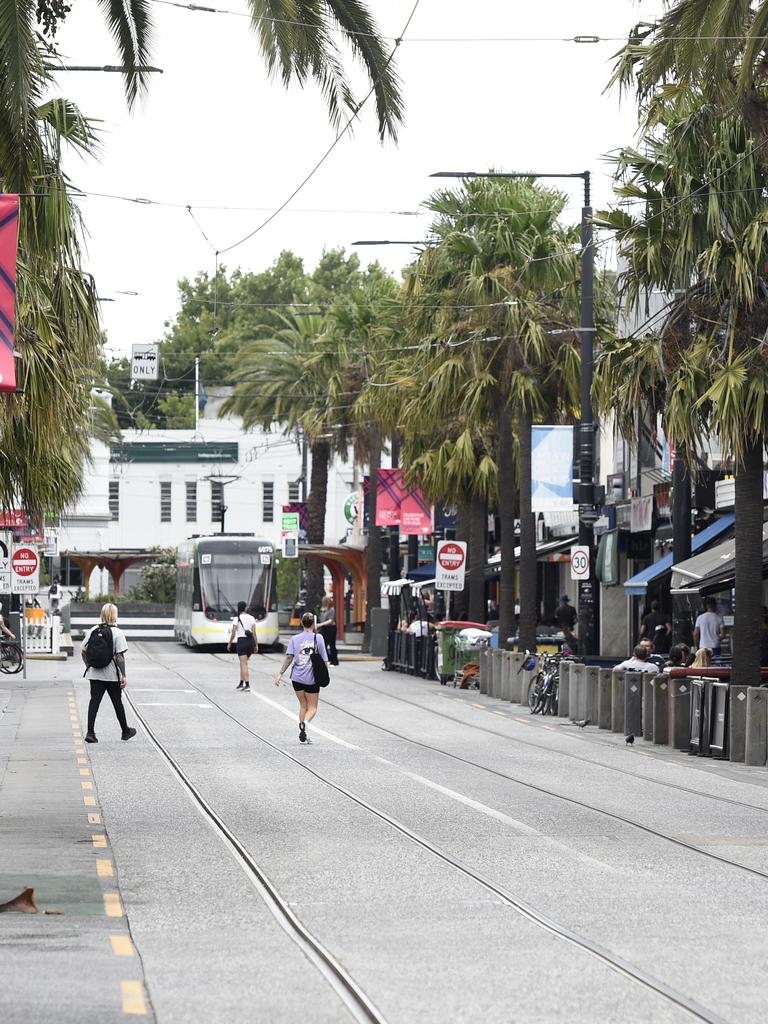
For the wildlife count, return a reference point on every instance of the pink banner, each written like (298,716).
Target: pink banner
(389,495)
(9,234)
(415,513)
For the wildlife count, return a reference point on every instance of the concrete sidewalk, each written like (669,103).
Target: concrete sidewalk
(74,960)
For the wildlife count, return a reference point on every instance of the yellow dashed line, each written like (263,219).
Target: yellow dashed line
(112,905)
(104,868)
(121,945)
(79,750)
(82,760)
(85,771)
(99,842)
(94,819)
(89,801)
(87,785)
(133,997)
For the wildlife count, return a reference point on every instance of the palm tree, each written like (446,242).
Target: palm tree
(278,384)
(491,303)
(701,235)
(297,39)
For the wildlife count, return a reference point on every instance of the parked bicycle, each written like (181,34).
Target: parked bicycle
(544,688)
(11,657)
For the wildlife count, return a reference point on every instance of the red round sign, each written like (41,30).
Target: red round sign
(24,562)
(450,557)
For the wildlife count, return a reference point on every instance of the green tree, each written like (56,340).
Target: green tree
(700,233)
(158,578)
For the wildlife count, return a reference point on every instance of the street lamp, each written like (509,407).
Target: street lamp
(586,447)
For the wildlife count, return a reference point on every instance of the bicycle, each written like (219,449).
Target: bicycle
(11,657)
(544,688)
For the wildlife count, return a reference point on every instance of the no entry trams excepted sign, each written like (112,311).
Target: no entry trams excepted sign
(450,565)
(25,571)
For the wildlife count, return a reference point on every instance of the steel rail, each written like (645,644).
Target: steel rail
(598,952)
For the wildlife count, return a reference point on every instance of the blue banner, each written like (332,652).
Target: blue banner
(552,468)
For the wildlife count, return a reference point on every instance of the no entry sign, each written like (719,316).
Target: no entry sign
(25,571)
(450,565)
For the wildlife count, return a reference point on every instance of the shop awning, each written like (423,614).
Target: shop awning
(637,585)
(549,551)
(712,570)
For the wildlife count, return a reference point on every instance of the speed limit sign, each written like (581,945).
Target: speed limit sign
(580,562)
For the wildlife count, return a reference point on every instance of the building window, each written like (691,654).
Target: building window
(217,500)
(114,500)
(268,499)
(191,501)
(165,501)
(294,491)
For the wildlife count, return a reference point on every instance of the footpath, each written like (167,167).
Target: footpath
(68,956)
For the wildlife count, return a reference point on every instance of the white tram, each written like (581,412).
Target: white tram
(212,574)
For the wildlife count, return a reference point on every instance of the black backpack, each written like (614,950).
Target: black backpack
(100,651)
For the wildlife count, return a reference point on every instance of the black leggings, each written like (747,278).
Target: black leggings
(98,688)
(328,634)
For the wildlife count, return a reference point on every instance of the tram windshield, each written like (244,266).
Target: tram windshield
(240,571)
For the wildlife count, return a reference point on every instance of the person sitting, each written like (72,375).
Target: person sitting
(679,656)
(416,626)
(703,658)
(638,662)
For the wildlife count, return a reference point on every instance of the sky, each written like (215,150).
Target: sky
(486,84)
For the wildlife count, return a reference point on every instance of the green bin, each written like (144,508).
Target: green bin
(446,647)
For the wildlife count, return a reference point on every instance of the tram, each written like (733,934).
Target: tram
(213,573)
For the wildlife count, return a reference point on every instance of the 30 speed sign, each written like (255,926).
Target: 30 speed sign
(580,562)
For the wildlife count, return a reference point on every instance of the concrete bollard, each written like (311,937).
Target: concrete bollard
(604,698)
(516,677)
(564,693)
(590,689)
(633,703)
(506,675)
(737,723)
(756,743)
(647,697)
(617,701)
(496,677)
(578,697)
(487,675)
(660,731)
(679,713)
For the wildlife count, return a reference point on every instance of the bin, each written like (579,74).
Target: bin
(446,646)
(467,649)
(701,698)
(718,741)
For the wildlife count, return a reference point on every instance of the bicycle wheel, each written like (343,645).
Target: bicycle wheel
(11,660)
(533,694)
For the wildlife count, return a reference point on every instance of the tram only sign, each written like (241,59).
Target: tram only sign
(450,565)
(25,571)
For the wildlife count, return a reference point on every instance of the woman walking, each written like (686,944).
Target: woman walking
(244,630)
(103,651)
(300,649)
(326,625)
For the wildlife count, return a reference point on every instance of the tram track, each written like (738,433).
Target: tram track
(608,958)
(574,801)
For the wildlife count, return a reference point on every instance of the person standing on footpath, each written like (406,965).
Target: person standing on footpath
(326,625)
(709,629)
(657,628)
(566,618)
(244,629)
(103,651)
(301,647)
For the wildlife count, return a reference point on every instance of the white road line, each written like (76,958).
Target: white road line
(158,689)
(505,819)
(313,729)
(175,704)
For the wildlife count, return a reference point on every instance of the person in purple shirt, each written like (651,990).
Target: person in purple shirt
(300,647)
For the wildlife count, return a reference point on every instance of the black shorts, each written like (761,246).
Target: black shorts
(306,687)
(244,646)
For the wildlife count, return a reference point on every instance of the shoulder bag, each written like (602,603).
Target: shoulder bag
(319,667)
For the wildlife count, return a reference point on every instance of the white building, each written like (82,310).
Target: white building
(158,487)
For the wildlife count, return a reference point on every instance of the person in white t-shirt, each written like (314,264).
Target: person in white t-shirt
(638,662)
(244,629)
(709,629)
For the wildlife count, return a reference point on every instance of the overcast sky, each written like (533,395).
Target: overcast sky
(216,131)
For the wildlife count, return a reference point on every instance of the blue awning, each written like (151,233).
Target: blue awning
(637,585)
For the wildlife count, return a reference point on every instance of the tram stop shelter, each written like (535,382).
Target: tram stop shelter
(115,562)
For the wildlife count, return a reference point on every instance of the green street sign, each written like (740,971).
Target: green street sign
(426,552)
(290,522)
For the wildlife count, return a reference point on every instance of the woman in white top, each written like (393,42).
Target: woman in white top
(244,628)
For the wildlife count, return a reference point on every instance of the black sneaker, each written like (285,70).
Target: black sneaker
(247,688)
(90,737)
(240,686)
(128,734)
(302,732)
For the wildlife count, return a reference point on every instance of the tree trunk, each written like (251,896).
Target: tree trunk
(681,542)
(528,575)
(394,548)
(460,599)
(507,520)
(316,505)
(374,540)
(748,618)
(478,528)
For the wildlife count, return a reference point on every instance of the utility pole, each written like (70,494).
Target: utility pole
(394,548)
(681,540)
(197,398)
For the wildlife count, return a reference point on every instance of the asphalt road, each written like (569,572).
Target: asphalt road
(505,889)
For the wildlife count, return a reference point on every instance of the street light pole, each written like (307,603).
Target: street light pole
(585,494)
